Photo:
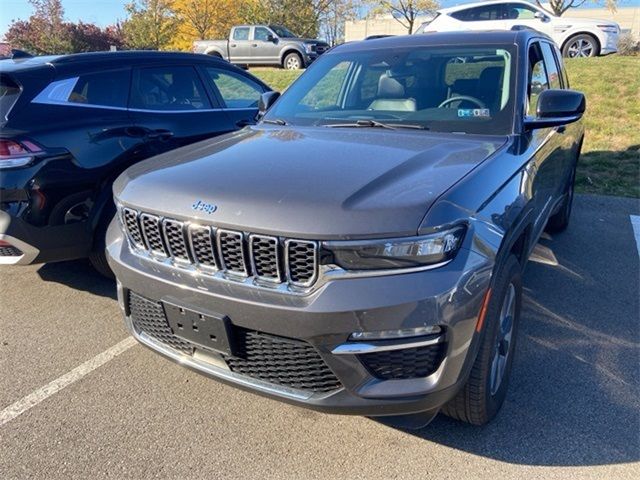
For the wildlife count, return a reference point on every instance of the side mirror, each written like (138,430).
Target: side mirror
(272,39)
(267,99)
(556,108)
(541,16)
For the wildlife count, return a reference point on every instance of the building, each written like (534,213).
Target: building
(627,17)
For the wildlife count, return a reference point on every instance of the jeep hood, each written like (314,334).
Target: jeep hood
(308,182)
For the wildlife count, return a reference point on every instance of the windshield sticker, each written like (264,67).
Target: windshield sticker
(473,112)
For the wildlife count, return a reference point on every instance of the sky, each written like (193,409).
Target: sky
(106,12)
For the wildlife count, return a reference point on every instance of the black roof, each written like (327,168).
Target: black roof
(506,37)
(120,57)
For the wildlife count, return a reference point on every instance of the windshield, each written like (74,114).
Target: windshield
(446,89)
(282,32)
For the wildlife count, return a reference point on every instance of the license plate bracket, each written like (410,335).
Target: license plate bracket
(209,331)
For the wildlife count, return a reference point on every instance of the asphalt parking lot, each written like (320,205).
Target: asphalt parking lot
(573,410)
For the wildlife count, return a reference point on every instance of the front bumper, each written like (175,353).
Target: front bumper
(449,297)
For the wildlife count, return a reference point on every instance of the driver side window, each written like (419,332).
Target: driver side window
(538,79)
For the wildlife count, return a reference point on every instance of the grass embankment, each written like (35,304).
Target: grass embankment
(610,161)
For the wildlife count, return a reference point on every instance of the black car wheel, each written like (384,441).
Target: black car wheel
(581,46)
(480,399)
(559,221)
(98,256)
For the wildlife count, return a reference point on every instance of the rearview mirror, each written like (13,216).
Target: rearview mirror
(556,108)
(267,99)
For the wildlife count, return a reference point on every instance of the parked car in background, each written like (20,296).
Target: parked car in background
(576,37)
(274,45)
(69,125)
(360,249)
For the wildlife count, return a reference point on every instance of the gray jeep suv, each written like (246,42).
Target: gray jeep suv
(360,249)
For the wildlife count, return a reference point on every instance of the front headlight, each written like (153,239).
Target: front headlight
(309,47)
(397,252)
(608,28)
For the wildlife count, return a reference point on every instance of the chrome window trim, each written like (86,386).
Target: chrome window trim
(212,244)
(316,262)
(260,278)
(179,261)
(158,220)
(223,266)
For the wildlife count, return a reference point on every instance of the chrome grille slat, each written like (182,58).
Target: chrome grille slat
(152,234)
(232,252)
(203,247)
(176,242)
(264,260)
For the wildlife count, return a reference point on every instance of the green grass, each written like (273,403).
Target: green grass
(610,161)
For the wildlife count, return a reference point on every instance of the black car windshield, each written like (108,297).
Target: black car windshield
(282,32)
(441,88)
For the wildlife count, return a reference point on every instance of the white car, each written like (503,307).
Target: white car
(576,37)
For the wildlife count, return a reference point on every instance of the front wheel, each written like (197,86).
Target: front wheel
(581,46)
(559,221)
(292,61)
(480,399)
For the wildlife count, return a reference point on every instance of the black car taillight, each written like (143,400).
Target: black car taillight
(17,154)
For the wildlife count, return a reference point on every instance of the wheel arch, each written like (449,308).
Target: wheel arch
(582,32)
(287,51)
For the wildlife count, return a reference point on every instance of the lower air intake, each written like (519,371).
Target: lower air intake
(406,363)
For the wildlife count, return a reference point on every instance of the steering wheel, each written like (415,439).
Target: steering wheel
(461,98)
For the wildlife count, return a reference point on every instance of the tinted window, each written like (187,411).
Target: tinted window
(9,93)
(518,11)
(478,14)
(110,89)
(552,68)
(538,80)
(169,88)
(241,33)
(236,90)
(448,89)
(261,33)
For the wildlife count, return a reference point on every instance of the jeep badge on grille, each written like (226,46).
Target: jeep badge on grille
(204,207)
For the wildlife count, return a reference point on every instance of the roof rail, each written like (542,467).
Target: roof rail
(17,54)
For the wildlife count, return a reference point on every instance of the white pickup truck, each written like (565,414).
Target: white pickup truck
(264,45)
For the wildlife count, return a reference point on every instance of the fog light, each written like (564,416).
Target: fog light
(395,334)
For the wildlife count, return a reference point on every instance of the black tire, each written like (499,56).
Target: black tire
(582,45)
(98,256)
(292,61)
(476,403)
(559,221)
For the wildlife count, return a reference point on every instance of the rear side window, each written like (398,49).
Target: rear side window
(108,89)
(9,93)
(478,14)
(552,68)
(241,33)
(168,88)
(236,90)
(104,89)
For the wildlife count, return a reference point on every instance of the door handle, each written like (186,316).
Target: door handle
(254,44)
(233,45)
(159,134)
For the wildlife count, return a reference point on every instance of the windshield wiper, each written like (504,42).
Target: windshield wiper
(375,124)
(275,121)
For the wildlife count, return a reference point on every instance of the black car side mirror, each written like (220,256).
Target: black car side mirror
(272,39)
(267,99)
(556,108)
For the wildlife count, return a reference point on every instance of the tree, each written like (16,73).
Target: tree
(152,24)
(44,32)
(300,16)
(203,19)
(333,19)
(405,11)
(558,7)
(87,37)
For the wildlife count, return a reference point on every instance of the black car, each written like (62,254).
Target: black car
(69,125)
(360,249)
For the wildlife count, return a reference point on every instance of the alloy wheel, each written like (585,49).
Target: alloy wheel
(293,63)
(581,48)
(502,348)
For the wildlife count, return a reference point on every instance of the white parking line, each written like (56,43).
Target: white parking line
(635,223)
(34,398)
